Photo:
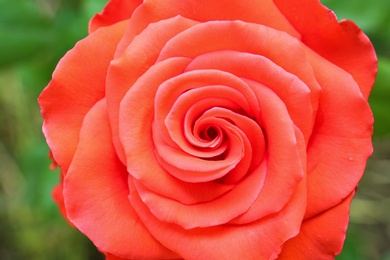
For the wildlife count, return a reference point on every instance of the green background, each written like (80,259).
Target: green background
(35,34)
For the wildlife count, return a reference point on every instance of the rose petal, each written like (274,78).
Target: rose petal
(115,11)
(113,257)
(231,122)
(344,44)
(321,236)
(136,116)
(96,190)
(251,133)
(258,240)
(189,168)
(261,12)
(213,213)
(296,91)
(341,139)
(139,56)
(285,161)
(58,197)
(194,139)
(78,83)
(223,35)
(286,51)
(170,93)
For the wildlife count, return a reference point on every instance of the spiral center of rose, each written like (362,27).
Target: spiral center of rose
(204,127)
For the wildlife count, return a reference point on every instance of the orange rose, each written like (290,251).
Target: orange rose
(212,129)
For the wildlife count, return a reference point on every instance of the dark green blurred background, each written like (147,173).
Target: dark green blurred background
(35,34)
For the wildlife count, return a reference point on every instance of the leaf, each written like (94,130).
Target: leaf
(24,31)
(379,99)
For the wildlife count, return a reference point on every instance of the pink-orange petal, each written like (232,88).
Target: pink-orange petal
(343,44)
(58,197)
(285,162)
(262,12)
(341,139)
(95,194)
(279,47)
(322,236)
(189,87)
(136,116)
(78,83)
(253,138)
(222,35)
(295,90)
(194,139)
(115,11)
(135,61)
(213,213)
(113,257)
(261,239)
(190,168)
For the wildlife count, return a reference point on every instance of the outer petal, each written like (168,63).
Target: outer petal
(341,141)
(78,83)
(253,11)
(58,197)
(96,190)
(344,44)
(216,212)
(322,236)
(139,56)
(258,240)
(115,11)
(113,257)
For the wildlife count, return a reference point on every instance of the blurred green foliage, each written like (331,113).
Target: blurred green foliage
(35,34)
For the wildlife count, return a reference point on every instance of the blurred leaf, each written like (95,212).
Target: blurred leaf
(21,13)
(380,99)
(24,31)
(17,45)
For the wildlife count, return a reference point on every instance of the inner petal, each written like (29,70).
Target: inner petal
(171,91)
(295,90)
(254,140)
(136,118)
(189,107)
(190,168)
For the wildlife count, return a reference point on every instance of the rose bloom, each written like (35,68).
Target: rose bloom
(212,129)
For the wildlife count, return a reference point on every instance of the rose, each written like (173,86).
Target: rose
(212,129)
